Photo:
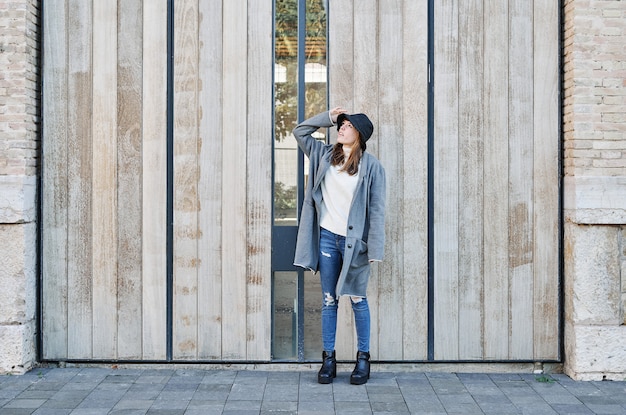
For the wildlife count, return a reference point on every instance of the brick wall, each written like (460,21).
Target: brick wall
(595,88)
(19,124)
(594,111)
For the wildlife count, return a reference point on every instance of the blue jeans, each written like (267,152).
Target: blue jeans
(332,248)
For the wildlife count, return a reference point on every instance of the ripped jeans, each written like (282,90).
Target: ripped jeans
(330,261)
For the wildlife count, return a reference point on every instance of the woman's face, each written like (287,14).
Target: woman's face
(347,135)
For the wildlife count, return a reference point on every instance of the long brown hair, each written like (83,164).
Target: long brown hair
(351,166)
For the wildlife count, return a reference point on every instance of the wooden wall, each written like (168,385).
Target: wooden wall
(104,170)
(496,180)
(223,191)
(494,177)
(105,180)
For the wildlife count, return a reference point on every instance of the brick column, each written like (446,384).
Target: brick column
(19,124)
(595,188)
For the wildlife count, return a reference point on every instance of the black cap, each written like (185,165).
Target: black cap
(360,122)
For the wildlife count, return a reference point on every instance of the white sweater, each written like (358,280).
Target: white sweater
(337,191)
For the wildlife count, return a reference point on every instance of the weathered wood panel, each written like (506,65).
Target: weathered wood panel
(470,209)
(210,182)
(154,168)
(104,191)
(391,137)
(234,174)
(129,178)
(186,171)
(55,195)
(415,180)
(521,178)
(259,180)
(446,182)
(546,178)
(80,172)
(496,181)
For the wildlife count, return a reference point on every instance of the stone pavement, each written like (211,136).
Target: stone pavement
(86,391)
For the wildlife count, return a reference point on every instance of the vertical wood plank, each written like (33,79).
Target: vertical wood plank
(496,181)
(546,180)
(210,183)
(390,289)
(54,164)
(79,159)
(365,98)
(470,207)
(234,213)
(154,197)
(415,179)
(185,324)
(259,179)
(104,126)
(129,156)
(446,185)
(341,86)
(520,178)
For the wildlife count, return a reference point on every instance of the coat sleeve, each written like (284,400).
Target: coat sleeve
(377,199)
(303,132)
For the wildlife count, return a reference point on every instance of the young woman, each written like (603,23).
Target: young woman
(342,227)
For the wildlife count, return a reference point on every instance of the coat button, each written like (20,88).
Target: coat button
(350,227)
(349,246)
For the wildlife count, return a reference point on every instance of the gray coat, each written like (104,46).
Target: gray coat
(365,236)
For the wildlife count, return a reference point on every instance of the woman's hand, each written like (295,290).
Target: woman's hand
(335,112)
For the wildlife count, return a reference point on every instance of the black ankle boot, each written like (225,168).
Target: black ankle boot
(361,372)
(329,368)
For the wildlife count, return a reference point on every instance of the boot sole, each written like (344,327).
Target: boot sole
(324,381)
(359,381)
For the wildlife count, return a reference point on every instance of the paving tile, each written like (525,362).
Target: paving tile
(165,412)
(24,404)
(181,395)
(62,403)
(144,404)
(88,411)
(353,407)
(348,393)
(52,411)
(606,409)
(279,406)
(316,407)
(36,394)
(537,408)
(395,407)
(16,411)
(422,407)
(170,404)
(499,408)
(281,392)
(386,397)
(283,378)
(243,405)
(246,392)
(461,408)
(571,409)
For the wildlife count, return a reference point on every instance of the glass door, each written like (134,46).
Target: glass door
(300,90)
